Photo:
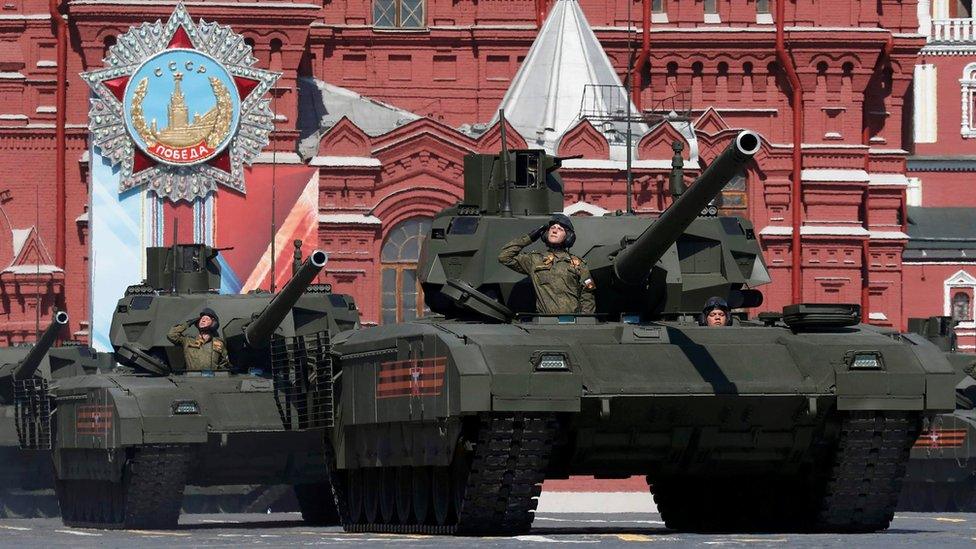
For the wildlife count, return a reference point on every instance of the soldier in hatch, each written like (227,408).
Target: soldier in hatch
(561,280)
(716,313)
(206,351)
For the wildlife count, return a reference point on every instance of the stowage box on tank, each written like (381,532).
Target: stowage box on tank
(450,424)
(127,442)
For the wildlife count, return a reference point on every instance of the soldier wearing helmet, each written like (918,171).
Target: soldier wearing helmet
(206,351)
(716,313)
(562,282)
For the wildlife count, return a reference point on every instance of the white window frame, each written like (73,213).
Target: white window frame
(961,280)
(967,86)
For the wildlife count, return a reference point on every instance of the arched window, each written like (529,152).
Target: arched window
(402,298)
(968,83)
(961,310)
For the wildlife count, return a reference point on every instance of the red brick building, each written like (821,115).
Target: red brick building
(385,97)
(940,262)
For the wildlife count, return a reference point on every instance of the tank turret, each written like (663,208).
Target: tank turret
(184,279)
(258,332)
(642,266)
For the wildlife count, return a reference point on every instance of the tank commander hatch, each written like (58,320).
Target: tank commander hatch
(206,351)
(716,313)
(561,280)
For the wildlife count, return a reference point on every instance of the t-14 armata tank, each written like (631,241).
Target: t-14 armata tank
(26,483)
(941,474)
(174,413)
(450,424)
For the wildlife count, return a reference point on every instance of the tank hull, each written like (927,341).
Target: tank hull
(238,451)
(676,402)
(942,472)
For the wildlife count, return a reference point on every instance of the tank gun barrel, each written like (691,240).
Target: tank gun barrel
(258,332)
(635,261)
(32,361)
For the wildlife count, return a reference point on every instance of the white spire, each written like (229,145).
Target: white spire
(546,95)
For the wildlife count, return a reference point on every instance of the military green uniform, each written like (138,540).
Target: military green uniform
(200,354)
(561,280)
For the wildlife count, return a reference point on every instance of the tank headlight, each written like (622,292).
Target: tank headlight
(552,361)
(865,360)
(185,407)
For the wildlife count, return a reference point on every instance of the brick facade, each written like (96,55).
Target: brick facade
(855,61)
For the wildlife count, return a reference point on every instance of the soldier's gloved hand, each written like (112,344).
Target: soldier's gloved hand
(537,234)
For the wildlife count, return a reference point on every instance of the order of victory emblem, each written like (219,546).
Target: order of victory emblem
(180,107)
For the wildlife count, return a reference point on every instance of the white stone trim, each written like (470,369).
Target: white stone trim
(764,19)
(924,12)
(877,316)
(926,103)
(600,164)
(837,175)
(776,230)
(888,180)
(350,219)
(33,269)
(712,18)
(968,93)
(913,195)
(270,157)
(344,161)
(888,235)
(960,280)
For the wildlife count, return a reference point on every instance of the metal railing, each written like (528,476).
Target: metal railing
(301,368)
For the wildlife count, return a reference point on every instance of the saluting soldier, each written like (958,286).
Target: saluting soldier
(205,351)
(561,280)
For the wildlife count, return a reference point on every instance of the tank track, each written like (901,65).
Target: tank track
(855,491)
(148,497)
(501,481)
(316,508)
(867,472)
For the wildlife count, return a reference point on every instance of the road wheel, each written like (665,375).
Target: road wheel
(404,493)
(371,493)
(442,495)
(354,495)
(421,494)
(388,495)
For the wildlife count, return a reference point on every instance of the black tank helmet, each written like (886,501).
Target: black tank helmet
(207,311)
(712,304)
(564,222)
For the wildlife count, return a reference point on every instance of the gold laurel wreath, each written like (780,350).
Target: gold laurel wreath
(225,113)
(138,120)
